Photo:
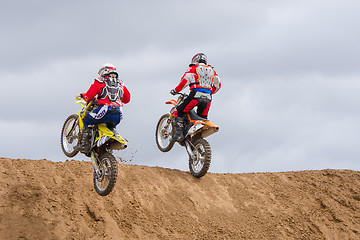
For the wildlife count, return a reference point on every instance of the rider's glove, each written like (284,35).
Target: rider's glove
(79,97)
(173,92)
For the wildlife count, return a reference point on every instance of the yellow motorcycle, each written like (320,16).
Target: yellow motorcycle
(103,142)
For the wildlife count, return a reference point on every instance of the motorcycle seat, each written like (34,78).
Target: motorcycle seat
(194,116)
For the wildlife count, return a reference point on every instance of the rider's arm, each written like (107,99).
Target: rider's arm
(187,78)
(183,83)
(126,95)
(92,92)
(216,85)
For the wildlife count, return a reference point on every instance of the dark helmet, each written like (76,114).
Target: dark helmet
(199,58)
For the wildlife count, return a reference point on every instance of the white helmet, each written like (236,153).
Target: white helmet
(106,69)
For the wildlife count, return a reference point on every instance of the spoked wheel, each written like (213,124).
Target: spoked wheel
(164,133)
(70,136)
(199,165)
(108,170)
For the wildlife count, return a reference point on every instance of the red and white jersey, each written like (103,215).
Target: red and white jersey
(200,76)
(97,89)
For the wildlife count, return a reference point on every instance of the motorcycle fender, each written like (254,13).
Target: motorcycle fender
(211,124)
(105,134)
(206,128)
(104,130)
(81,115)
(119,139)
(209,129)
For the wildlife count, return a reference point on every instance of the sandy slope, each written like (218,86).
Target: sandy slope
(41,199)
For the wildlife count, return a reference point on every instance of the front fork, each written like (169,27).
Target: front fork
(73,127)
(189,146)
(95,164)
(165,129)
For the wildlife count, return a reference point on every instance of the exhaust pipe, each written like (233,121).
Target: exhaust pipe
(118,146)
(209,131)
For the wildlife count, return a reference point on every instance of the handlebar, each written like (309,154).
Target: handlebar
(86,105)
(78,97)
(172,92)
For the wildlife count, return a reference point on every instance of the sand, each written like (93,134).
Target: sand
(41,199)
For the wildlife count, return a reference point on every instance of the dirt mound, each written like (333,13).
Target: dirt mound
(41,199)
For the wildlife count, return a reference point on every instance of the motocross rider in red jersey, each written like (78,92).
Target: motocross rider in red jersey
(111,95)
(203,82)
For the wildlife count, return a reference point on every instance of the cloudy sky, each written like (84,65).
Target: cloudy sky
(290,72)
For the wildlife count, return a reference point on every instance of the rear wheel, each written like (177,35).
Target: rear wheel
(200,163)
(164,132)
(70,136)
(104,182)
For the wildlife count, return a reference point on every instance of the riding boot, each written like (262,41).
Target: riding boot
(84,146)
(179,130)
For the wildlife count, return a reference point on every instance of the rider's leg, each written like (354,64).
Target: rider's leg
(188,104)
(203,108)
(111,117)
(84,146)
(89,119)
(179,129)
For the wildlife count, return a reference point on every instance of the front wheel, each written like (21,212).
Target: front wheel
(199,165)
(70,136)
(164,132)
(104,182)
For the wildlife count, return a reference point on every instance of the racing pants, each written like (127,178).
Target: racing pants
(111,116)
(195,98)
